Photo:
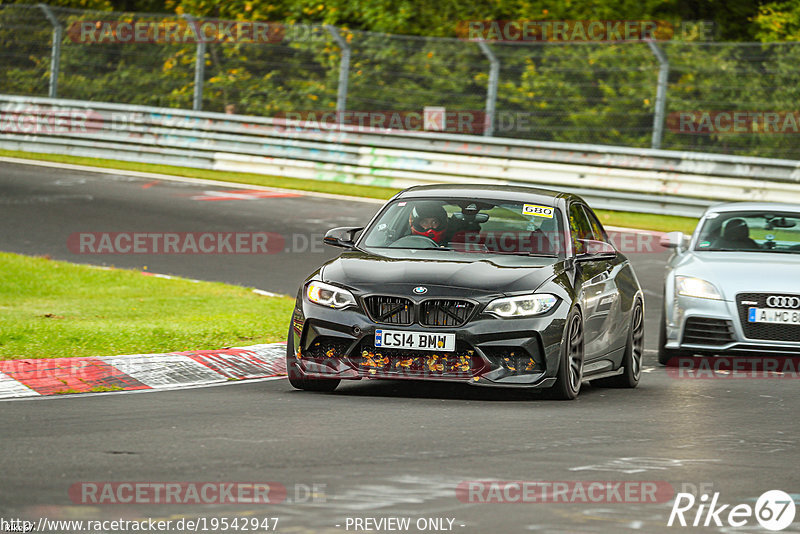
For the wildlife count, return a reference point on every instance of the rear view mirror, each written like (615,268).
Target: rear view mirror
(343,237)
(477,217)
(780,222)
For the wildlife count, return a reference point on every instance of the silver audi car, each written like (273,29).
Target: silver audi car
(734,285)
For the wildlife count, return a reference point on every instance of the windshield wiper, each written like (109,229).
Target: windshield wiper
(531,254)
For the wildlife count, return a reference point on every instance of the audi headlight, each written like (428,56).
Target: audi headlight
(330,296)
(689,286)
(522,306)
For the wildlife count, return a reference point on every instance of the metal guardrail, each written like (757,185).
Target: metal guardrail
(650,181)
(626,90)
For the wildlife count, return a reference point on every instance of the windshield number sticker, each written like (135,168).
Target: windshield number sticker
(537,211)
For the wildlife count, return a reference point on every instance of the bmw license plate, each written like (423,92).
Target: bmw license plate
(773,315)
(397,339)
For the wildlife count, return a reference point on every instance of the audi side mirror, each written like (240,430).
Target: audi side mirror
(676,240)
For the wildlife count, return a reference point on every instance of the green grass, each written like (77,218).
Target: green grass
(51,309)
(647,221)
(644,221)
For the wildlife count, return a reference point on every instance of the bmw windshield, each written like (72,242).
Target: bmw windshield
(750,231)
(473,226)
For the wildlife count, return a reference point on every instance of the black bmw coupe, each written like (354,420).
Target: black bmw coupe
(486,285)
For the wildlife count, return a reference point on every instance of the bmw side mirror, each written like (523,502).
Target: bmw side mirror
(591,250)
(343,237)
(674,240)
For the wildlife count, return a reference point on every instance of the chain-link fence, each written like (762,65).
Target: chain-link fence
(739,98)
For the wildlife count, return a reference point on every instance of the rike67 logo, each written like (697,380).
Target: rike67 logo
(774,510)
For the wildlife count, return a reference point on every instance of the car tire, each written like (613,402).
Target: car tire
(298,379)
(570,366)
(634,352)
(667,356)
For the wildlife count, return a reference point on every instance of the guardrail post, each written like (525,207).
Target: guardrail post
(344,72)
(55,52)
(199,70)
(661,94)
(491,91)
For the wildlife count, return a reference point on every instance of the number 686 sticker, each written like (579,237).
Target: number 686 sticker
(775,510)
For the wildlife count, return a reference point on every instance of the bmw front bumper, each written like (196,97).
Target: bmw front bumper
(331,343)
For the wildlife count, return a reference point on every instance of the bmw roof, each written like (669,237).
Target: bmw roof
(477,191)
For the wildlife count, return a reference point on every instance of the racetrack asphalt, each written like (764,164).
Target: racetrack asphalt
(373,449)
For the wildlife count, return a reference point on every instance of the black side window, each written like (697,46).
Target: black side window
(597,228)
(579,227)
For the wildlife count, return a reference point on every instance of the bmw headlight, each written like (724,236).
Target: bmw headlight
(688,286)
(522,306)
(330,296)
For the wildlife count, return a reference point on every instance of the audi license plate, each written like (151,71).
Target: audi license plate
(397,339)
(773,315)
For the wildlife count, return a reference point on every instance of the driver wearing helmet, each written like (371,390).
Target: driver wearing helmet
(430,220)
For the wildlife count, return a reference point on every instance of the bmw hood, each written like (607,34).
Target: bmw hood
(743,272)
(402,269)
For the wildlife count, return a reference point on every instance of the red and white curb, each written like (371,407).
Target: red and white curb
(35,377)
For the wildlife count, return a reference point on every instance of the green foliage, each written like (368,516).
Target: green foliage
(779,21)
(734,19)
(99,5)
(601,93)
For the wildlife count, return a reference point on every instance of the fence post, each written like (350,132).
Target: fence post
(491,91)
(199,69)
(55,52)
(344,72)
(661,94)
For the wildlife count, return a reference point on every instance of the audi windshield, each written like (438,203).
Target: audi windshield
(750,231)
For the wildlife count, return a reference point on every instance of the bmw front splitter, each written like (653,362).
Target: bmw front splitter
(488,352)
